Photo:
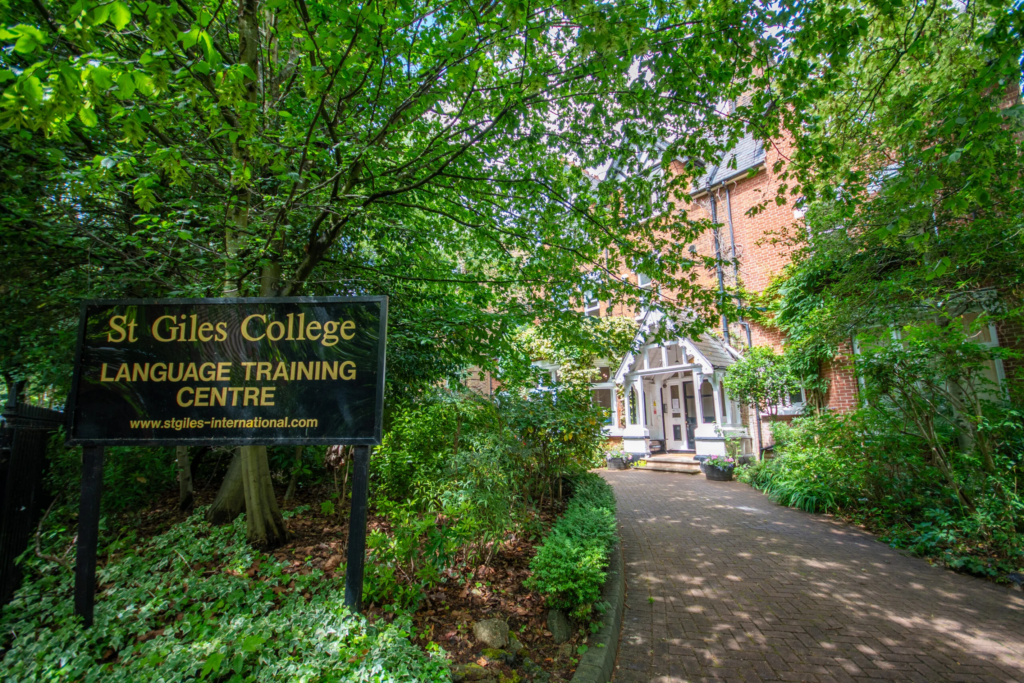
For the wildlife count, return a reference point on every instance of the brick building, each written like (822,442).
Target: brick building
(673,398)
(669,396)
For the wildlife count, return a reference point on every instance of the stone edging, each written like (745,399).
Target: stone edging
(598,662)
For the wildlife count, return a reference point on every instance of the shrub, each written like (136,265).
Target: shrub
(870,467)
(457,473)
(132,475)
(569,568)
(197,603)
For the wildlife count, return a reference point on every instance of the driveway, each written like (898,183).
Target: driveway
(722,584)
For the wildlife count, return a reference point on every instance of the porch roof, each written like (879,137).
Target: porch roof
(709,353)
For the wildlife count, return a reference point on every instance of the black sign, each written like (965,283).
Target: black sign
(230,371)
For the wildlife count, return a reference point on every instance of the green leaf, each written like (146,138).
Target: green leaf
(88,117)
(939,269)
(212,665)
(100,76)
(252,643)
(125,85)
(25,45)
(206,42)
(6,75)
(32,89)
(189,39)
(120,15)
(99,15)
(144,84)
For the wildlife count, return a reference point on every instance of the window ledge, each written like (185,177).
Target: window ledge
(785,411)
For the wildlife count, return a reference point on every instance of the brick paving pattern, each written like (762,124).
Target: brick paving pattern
(724,585)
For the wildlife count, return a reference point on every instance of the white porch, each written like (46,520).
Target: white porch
(675,397)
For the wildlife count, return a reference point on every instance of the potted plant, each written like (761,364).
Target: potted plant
(616,459)
(719,467)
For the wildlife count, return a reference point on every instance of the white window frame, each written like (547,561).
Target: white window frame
(615,428)
(786,408)
(994,344)
(552,372)
(894,333)
(591,305)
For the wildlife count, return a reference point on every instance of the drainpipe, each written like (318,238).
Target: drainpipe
(732,238)
(718,265)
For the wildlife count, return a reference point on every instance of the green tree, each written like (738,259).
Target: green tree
(909,164)
(762,379)
(416,147)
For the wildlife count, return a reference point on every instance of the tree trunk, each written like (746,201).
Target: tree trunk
(290,492)
(344,478)
(197,461)
(248,480)
(185,492)
(263,520)
(230,500)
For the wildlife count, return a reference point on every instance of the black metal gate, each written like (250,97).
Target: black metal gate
(23,437)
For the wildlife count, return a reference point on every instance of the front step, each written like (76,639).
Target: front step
(672,463)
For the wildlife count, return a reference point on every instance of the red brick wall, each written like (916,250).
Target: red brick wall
(842,396)
(1011,336)
(760,253)
(481,381)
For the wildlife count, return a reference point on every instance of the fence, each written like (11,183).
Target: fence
(23,438)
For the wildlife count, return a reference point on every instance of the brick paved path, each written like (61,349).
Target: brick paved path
(724,584)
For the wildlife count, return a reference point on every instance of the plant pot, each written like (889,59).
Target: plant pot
(714,473)
(616,463)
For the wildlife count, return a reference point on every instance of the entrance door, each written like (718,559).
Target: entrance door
(675,421)
(691,411)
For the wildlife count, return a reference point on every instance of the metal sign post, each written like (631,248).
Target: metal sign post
(357,530)
(88,532)
(263,371)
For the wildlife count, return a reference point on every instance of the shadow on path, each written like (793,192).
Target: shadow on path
(723,584)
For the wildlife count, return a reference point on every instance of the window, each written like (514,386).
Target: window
(547,375)
(984,334)
(604,394)
(603,399)
(591,305)
(799,209)
(691,403)
(643,280)
(707,401)
(633,417)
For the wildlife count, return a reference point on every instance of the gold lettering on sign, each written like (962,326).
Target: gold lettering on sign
(172,331)
(245,327)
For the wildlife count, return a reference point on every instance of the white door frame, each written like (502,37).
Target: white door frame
(675,417)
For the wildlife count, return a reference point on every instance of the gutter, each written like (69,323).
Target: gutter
(732,178)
